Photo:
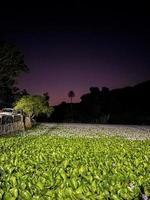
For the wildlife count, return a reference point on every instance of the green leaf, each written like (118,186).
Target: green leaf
(23,185)
(63,174)
(14,192)
(81,169)
(8,196)
(74,183)
(13,180)
(40,185)
(93,186)
(25,195)
(79,190)
(1,193)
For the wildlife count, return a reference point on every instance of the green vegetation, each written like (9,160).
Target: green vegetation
(45,166)
(33,105)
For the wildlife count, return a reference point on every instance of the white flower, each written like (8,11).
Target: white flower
(144,197)
(131,186)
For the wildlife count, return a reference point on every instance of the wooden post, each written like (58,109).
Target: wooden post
(23,122)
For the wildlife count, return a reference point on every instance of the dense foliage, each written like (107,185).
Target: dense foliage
(33,105)
(11,67)
(45,166)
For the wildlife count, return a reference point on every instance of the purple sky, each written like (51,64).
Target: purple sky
(75,52)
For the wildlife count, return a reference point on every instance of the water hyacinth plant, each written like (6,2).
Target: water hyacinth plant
(75,162)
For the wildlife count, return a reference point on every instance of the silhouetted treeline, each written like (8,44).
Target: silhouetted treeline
(129,105)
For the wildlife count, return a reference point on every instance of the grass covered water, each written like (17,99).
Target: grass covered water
(44,166)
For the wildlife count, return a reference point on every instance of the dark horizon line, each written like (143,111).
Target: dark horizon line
(129,86)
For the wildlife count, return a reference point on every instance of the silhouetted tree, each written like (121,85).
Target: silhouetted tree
(11,66)
(17,93)
(71,94)
(46,96)
(105,89)
(94,90)
(91,105)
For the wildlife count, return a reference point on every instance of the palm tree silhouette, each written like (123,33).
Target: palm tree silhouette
(71,94)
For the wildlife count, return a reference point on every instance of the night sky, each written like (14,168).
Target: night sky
(74,48)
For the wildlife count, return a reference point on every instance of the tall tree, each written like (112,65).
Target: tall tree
(11,66)
(71,94)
